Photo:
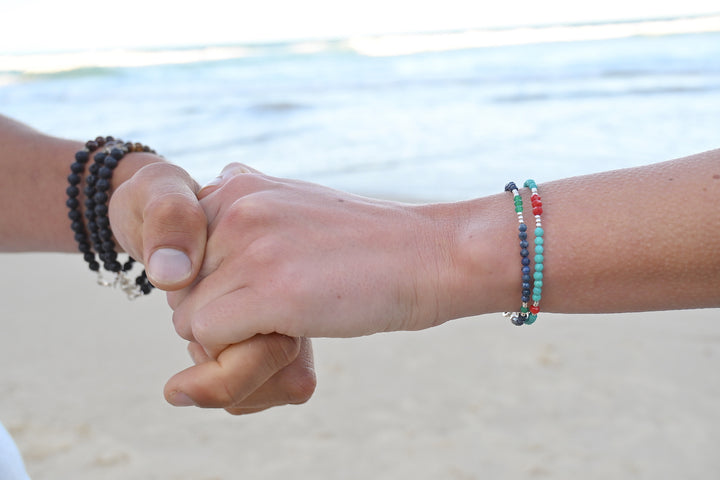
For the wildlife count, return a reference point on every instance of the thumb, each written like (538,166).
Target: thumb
(169,225)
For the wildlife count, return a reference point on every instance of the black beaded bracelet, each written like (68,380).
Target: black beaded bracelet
(97,195)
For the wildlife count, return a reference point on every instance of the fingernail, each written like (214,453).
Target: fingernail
(169,266)
(215,181)
(179,399)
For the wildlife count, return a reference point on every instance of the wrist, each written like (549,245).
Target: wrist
(477,272)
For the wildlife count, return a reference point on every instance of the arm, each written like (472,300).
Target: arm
(303,260)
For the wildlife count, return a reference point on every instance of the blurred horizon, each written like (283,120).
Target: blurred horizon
(79,25)
(61,62)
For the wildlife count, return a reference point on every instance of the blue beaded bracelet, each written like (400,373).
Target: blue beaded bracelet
(532,281)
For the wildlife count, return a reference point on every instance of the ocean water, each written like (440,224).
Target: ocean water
(422,118)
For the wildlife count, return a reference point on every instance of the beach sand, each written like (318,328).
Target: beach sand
(632,396)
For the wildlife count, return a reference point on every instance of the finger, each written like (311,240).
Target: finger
(238,372)
(293,385)
(161,224)
(229,171)
(229,319)
(197,353)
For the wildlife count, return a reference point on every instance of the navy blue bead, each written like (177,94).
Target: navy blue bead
(522,235)
(102,185)
(89,203)
(102,222)
(82,156)
(72,203)
(147,288)
(526,286)
(105,172)
(111,162)
(524,244)
(116,153)
(524,252)
(100,156)
(101,210)
(74,179)
(526,270)
(100,197)
(510,187)
(74,215)
(72,191)
(84,246)
(77,167)
(95,238)
(105,233)
(78,227)
(526,279)
(90,180)
(80,237)
(94,168)
(94,266)
(522,227)
(525,261)
(525,299)
(89,257)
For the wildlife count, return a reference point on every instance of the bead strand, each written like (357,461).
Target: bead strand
(539,251)
(97,195)
(520,318)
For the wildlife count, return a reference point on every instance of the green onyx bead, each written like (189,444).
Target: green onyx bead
(518,209)
(539,249)
(530,183)
(537,275)
(539,232)
(524,309)
(530,319)
(539,258)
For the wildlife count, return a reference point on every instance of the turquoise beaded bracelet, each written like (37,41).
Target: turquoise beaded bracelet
(532,281)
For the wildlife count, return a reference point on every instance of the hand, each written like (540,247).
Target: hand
(247,377)
(157,219)
(303,260)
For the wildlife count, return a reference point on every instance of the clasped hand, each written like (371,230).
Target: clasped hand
(283,261)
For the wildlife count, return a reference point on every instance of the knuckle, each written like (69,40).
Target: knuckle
(182,326)
(278,351)
(174,212)
(302,387)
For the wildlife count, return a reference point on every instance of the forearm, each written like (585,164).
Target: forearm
(35,168)
(639,239)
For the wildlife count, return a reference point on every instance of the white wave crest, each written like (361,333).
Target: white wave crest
(407,44)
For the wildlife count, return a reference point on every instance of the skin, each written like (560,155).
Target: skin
(300,259)
(154,206)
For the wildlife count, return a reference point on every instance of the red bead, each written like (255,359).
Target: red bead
(534,310)
(537,210)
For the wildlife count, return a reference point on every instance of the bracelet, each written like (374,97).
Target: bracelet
(97,195)
(530,280)
(539,251)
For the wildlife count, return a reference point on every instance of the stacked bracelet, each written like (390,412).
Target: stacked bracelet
(539,251)
(97,195)
(532,281)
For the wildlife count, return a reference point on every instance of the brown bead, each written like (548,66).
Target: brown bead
(100,141)
(91,145)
